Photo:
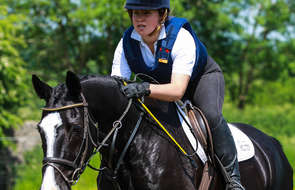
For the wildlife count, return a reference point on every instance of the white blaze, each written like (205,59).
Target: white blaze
(49,124)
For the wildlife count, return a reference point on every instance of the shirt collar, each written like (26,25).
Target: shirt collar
(136,36)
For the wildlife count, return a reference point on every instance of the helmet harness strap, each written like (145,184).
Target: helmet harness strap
(159,26)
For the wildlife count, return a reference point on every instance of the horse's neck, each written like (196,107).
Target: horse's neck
(105,100)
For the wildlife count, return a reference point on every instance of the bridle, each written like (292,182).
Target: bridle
(77,167)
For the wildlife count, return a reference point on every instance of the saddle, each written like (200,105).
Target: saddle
(201,130)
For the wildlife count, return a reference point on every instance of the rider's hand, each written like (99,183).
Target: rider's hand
(136,90)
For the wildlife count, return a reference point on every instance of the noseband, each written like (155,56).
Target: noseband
(78,168)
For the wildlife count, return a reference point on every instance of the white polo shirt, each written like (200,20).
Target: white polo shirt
(183,54)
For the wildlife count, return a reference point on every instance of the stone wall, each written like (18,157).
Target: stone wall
(25,138)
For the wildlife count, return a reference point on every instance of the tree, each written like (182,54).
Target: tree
(13,77)
(66,35)
(245,38)
(260,55)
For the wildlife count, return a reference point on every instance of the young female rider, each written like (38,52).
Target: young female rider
(168,50)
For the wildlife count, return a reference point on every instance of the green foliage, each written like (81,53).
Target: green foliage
(251,40)
(273,93)
(275,120)
(13,78)
(246,38)
(71,35)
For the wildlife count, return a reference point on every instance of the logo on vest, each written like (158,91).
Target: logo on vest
(162,60)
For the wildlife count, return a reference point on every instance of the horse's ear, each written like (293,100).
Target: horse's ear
(42,89)
(73,84)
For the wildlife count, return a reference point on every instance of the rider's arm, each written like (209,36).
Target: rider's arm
(183,56)
(172,91)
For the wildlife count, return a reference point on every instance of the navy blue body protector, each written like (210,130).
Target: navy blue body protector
(162,69)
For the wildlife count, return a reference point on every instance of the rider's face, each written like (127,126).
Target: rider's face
(145,21)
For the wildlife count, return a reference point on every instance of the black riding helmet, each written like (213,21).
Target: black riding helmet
(147,4)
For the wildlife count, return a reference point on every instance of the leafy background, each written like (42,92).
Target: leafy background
(252,40)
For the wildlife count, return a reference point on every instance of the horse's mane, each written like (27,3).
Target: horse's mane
(97,77)
(108,80)
(91,76)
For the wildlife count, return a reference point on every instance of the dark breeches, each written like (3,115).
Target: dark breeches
(207,93)
(209,96)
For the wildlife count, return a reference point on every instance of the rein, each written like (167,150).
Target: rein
(84,104)
(160,124)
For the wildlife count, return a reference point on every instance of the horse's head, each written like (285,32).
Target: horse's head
(66,132)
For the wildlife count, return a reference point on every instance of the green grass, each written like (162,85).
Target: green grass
(29,173)
(273,120)
(277,121)
(87,181)
(288,144)
(88,178)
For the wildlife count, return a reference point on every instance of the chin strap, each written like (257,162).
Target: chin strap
(159,26)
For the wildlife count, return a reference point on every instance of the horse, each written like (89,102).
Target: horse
(90,114)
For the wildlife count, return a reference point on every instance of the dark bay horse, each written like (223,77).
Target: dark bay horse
(151,161)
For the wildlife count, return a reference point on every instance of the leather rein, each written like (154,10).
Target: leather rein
(78,168)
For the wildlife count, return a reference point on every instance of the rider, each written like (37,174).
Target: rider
(167,49)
